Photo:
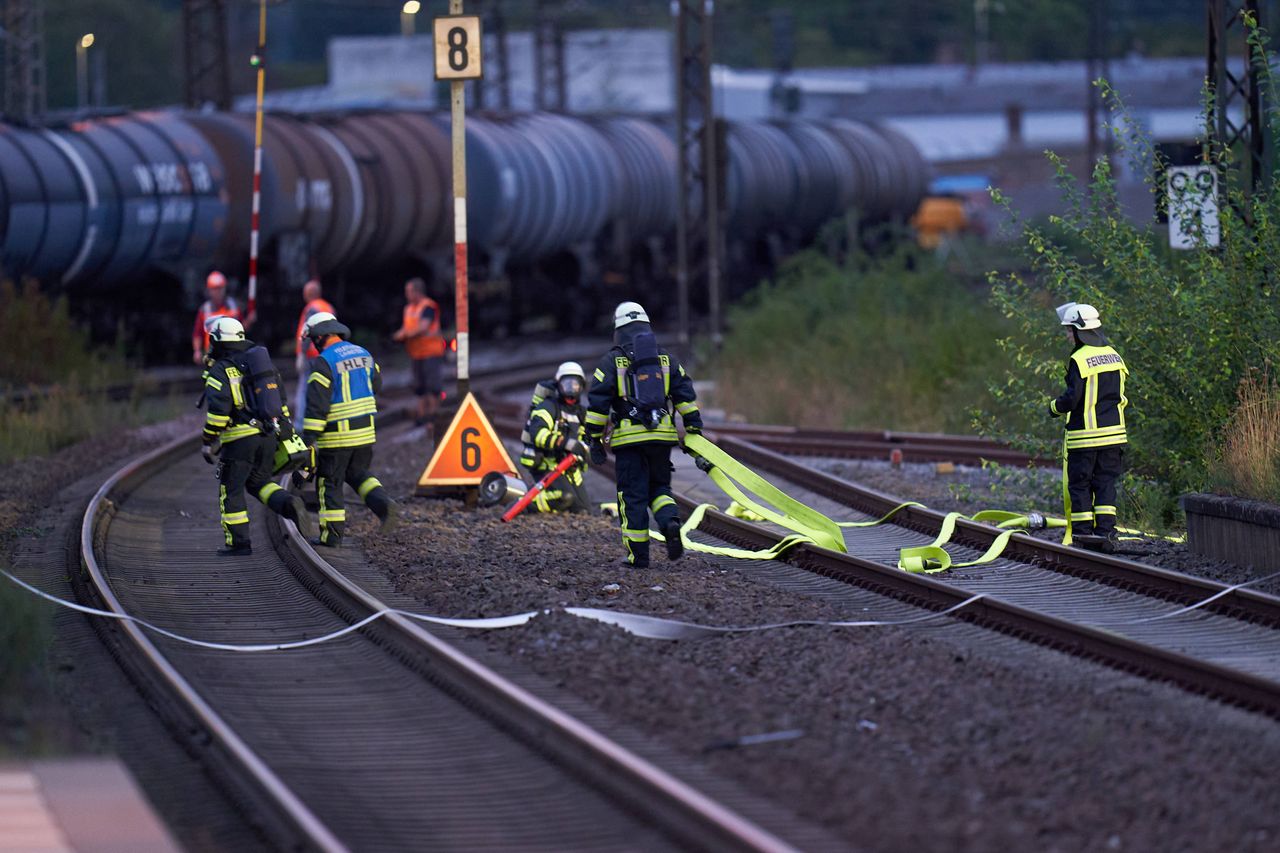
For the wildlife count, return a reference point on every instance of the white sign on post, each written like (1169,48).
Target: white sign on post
(457,39)
(1192,195)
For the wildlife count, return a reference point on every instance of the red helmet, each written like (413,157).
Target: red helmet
(215,279)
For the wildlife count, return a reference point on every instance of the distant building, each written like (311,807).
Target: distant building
(955,113)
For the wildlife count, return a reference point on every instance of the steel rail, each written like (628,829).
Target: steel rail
(97,516)
(686,812)
(1193,674)
(871,444)
(1198,676)
(1106,569)
(100,508)
(675,802)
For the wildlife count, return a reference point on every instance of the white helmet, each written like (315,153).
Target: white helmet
(223,329)
(629,312)
(324,323)
(1079,315)
(570,368)
(571,380)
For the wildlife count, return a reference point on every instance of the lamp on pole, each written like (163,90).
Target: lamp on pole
(407,13)
(82,70)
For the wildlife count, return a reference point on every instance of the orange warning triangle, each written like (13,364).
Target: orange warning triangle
(469,449)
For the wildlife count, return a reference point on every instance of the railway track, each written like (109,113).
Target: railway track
(1204,636)
(387,738)
(874,444)
(1201,635)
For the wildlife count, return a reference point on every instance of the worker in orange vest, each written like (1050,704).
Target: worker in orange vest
(217,305)
(304,350)
(420,332)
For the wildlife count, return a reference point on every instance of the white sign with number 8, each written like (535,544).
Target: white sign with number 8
(457,44)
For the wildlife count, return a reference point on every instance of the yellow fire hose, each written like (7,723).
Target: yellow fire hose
(746,489)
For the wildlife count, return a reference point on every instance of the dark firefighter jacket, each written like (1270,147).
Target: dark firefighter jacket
(552,422)
(227,417)
(605,399)
(340,397)
(1094,399)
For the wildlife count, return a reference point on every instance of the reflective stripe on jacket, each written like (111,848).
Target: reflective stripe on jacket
(226,417)
(341,401)
(607,401)
(1094,400)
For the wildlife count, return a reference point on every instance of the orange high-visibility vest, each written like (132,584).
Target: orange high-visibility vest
(430,345)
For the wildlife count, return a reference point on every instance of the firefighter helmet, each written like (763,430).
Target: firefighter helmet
(225,330)
(1079,315)
(571,380)
(629,312)
(323,323)
(216,280)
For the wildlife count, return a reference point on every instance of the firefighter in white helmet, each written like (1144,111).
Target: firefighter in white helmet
(1094,404)
(554,430)
(241,431)
(638,387)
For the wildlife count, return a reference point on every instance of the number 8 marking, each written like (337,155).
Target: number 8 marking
(458,58)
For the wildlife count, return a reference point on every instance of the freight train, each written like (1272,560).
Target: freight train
(128,212)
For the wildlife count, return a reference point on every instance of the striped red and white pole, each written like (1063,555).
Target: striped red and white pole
(259,60)
(460,285)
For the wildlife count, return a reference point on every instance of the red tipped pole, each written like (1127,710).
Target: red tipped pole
(259,60)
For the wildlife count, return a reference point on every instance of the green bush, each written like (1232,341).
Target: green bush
(1189,324)
(901,342)
(41,345)
(26,630)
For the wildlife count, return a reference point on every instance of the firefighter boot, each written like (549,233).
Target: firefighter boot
(637,554)
(296,511)
(387,510)
(675,545)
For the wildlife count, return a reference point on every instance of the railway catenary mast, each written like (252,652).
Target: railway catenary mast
(550,83)
(25,98)
(1230,28)
(699,240)
(206,73)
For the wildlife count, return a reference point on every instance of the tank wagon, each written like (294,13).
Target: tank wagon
(134,209)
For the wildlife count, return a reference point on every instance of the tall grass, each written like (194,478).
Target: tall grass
(41,345)
(1246,459)
(25,632)
(895,343)
(42,349)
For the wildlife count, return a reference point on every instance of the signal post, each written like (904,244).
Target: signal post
(470,448)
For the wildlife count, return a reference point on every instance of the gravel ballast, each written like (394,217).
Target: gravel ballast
(940,736)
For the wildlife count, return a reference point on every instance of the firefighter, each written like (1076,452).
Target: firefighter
(633,388)
(554,430)
(303,349)
(238,438)
(341,405)
(219,304)
(420,333)
(1094,402)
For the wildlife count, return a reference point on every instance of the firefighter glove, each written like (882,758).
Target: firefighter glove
(573,446)
(209,452)
(704,464)
(693,429)
(597,453)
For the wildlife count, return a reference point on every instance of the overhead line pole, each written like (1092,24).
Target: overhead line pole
(260,60)
(699,242)
(1243,90)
